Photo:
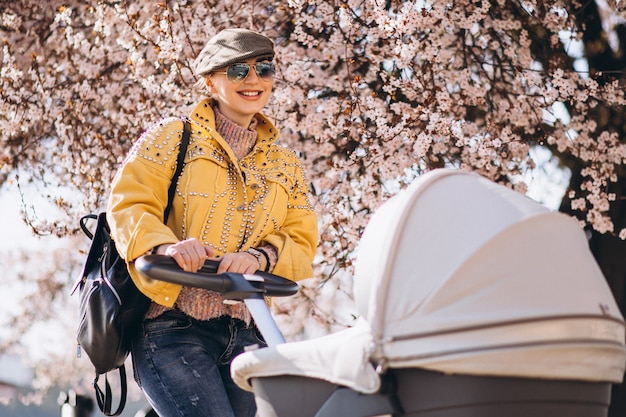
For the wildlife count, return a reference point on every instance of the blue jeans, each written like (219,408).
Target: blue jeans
(183,365)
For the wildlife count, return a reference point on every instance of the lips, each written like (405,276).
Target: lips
(250,93)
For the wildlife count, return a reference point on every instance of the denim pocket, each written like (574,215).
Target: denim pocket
(169,321)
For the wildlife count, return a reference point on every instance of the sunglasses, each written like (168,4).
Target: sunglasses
(239,72)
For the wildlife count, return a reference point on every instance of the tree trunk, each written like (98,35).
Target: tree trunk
(605,65)
(610,252)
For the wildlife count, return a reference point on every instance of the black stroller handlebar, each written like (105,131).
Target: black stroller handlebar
(231,285)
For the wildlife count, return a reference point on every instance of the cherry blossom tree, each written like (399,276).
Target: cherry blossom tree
(371,93)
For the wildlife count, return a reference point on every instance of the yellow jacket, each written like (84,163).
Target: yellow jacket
(227,204)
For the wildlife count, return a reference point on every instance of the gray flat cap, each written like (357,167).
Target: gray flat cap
(230,46)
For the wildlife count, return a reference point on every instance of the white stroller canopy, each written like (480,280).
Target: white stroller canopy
(462,275)
(458,274)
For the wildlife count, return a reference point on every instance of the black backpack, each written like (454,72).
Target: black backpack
(111,306)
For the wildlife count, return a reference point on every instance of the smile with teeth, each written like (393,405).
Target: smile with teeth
(250,93)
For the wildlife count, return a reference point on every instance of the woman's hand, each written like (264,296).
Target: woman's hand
(240,262)
(189,254)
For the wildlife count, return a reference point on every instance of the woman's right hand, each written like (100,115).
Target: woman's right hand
(189,254)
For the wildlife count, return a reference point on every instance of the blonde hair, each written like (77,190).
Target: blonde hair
(201,87)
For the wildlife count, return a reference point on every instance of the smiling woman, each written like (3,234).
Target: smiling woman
(241,199)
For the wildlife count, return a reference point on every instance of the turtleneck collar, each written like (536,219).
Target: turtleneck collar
(241,140)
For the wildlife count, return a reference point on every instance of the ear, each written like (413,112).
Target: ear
(209,83)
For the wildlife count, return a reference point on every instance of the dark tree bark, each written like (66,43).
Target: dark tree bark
(606,65)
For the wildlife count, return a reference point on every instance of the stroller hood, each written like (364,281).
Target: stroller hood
(461,275)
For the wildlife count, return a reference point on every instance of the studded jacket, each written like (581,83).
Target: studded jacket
(228,204)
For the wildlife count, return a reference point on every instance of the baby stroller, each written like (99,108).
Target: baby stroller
(474,301)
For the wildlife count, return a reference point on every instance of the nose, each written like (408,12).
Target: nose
(252,75)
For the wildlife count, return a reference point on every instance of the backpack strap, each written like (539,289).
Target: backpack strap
(104,398)
(180,162)
(83,224)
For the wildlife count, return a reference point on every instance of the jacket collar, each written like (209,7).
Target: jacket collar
(203,115)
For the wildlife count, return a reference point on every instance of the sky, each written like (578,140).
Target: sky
(15,237)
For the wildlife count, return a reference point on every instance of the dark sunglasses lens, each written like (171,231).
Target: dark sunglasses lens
(265,69)
(237,72)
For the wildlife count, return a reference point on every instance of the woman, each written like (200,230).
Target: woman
(241,199)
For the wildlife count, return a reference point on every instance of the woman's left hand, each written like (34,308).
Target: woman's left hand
(239,262)
(189,254)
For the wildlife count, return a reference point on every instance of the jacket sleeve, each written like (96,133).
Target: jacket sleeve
(296,239)
(138,199)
